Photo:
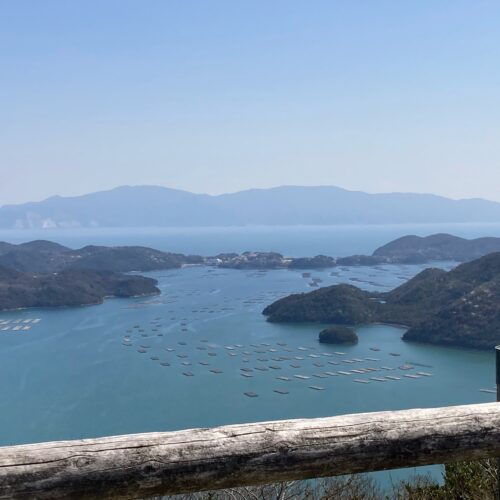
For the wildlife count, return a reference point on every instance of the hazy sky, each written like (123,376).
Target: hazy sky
(216,96)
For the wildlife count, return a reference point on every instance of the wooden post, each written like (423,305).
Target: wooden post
(145,465)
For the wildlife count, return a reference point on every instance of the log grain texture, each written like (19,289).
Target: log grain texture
(144,465)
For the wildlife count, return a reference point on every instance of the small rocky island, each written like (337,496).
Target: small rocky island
(338,334)
(20,290)
(456,308)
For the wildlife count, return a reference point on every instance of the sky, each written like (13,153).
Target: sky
(219,96)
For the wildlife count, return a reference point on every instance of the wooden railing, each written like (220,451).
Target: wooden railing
(144,465)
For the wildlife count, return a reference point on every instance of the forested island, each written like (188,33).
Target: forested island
(460,307)
(19,290)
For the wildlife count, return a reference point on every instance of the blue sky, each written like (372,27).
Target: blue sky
(216,96)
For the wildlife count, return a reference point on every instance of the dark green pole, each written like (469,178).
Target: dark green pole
(497,364)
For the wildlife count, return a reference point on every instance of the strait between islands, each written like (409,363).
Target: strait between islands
(458,308)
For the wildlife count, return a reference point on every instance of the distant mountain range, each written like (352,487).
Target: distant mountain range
(149,206)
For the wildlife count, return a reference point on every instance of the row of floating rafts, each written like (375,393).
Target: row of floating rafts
(17,325)
(18,321)
(246,372)
(284,358)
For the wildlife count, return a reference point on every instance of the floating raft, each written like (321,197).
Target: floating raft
(316,388)
(302,377)
(188,374)
(281,391)
(251,394)
(361,381)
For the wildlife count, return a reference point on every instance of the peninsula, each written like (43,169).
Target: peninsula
(20,290)
(456,308)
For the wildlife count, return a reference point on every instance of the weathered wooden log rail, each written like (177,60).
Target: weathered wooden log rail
(142,465)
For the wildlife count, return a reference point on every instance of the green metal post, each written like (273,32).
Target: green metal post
(497,364)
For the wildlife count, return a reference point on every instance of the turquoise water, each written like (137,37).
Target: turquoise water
(79,373)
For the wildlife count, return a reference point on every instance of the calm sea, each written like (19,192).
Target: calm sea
(187,358)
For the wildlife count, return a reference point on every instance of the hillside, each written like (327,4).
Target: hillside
(45,256)
(458,308)
(413,249)
(68,288)
(153,206)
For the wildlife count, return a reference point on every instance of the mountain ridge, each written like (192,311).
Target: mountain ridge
(157,206)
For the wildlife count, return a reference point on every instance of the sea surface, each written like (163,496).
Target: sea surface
(202,354)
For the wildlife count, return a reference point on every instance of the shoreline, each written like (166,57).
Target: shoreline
(90,304)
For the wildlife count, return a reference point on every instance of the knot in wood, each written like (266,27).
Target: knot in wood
(82,462)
